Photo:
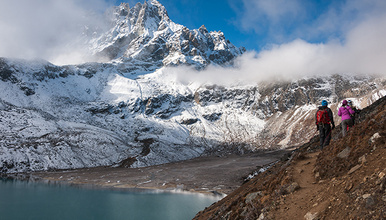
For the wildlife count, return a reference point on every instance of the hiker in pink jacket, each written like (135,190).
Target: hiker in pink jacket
(345,111)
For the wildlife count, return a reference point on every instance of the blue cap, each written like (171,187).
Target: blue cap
(324,103)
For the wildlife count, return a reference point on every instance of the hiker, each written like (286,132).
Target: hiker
(355,109)
(345,111)
(324,121)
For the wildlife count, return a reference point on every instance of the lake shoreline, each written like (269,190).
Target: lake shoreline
(210,175)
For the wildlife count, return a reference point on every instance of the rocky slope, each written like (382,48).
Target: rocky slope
(346,180)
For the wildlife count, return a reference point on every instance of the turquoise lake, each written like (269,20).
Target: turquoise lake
(34,200)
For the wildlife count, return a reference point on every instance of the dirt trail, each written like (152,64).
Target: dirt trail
(305,199)
(359,192)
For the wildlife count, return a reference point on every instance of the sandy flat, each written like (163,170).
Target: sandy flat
(205,174)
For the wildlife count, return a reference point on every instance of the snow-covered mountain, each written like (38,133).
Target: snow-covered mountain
(146,34)
(134,111)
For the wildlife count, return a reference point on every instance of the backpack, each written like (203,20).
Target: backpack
(351,115)
(322,116)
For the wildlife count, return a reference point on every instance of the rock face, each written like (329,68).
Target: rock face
(145,33)
(289,107)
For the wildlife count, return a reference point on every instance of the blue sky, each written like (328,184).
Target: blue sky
(216,15)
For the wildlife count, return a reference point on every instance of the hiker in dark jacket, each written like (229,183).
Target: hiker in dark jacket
(355,109)
(345,112)
(324,121)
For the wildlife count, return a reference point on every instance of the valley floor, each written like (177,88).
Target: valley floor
(217,175)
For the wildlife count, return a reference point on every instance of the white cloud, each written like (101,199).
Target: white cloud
(271,17)
(362,52)
(275,11)
(44,28)
(280,21)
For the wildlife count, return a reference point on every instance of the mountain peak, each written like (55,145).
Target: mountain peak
(156,3)
(146,33)
(203,29)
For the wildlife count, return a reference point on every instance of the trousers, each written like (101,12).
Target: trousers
(325,134)
(346,124)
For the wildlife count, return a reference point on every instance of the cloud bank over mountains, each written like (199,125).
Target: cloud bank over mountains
(357,44)
(362,51)
(353,35)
